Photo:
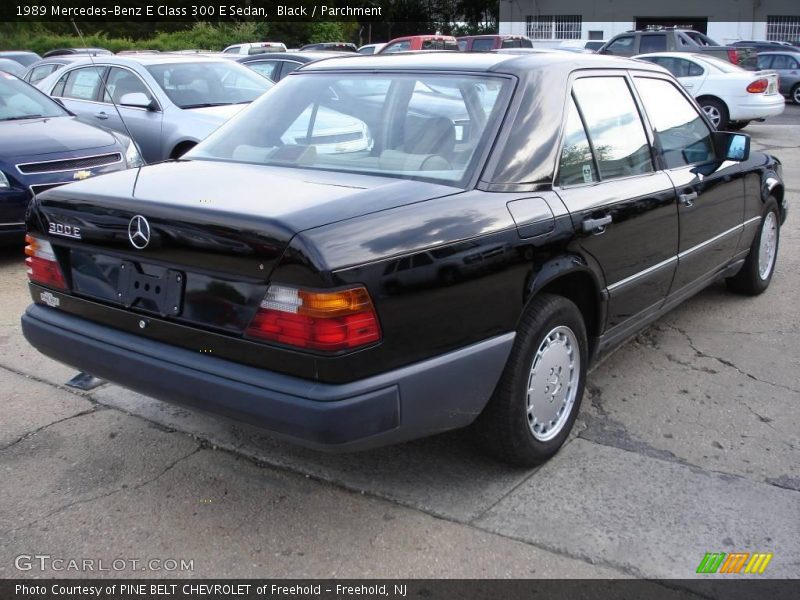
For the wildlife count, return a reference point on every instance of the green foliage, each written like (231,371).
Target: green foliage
(201,36)
(330,31)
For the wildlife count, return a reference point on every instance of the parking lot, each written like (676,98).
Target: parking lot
(687,443)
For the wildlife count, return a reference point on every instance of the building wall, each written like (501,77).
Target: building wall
(728,20)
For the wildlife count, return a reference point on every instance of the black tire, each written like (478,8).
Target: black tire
(711,105)
(503,428)
(737,125)
(749,279)
(795,94)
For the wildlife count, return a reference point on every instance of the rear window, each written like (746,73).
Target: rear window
(401,125)
(484,45)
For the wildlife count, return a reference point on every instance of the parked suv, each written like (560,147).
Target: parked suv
(253,278)
(677,40)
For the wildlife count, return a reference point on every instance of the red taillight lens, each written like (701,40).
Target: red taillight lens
(42,264)
(733,57)
(327,321)
(759,86)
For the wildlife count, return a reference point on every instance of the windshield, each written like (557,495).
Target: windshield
(199,84)
(414,126)
(18,100)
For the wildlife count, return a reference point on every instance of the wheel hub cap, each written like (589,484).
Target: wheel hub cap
(768,246)
(713,114)
(553,383)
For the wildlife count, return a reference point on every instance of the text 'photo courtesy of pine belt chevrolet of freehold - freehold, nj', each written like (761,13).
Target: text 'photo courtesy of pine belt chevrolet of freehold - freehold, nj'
(452,299)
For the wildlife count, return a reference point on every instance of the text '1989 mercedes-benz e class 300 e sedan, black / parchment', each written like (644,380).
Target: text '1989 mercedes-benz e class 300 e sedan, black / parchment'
(384,248)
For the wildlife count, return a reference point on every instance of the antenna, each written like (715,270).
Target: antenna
(105,90)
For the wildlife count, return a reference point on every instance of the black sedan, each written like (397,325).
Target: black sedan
(459,266)
(277,65)
(42,146)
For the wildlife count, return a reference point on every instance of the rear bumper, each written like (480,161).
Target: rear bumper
(438,394)
(758,107)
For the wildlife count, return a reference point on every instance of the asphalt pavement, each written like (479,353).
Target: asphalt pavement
(687,443)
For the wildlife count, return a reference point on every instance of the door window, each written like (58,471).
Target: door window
(653,42)
(120,82)
(82,84)
(683,135)
(39,73)
(577,164)
(398,47)
(782,61)
(485,44)
(621,45)
(614,126)
(764,62)
(267,68)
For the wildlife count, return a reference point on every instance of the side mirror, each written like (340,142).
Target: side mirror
(137,100)
(732,146)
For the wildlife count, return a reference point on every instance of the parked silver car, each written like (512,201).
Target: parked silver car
(787,64)
(168,102)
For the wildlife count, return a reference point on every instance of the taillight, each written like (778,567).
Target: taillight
(759,86)
(42,264)
(733,57)
(328,321)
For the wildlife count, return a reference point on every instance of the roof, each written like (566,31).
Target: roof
(151,59)
(304,56)
(477,62)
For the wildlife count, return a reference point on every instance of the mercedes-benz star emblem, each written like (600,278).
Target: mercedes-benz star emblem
(139,232)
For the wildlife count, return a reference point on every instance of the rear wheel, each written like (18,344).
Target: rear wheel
(737,125)
(539,394)
(796,94)
(716,111)
(756,273)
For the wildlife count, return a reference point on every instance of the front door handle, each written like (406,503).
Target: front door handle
(596,225)
(687,199)
(101,115)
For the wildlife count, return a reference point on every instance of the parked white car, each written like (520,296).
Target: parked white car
(729,95)
(255,48)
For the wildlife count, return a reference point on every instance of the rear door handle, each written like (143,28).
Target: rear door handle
(101,115)
(596,225)
(687,199)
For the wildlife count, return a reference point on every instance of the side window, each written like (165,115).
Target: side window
(232,50)
(614,126)
(576,165)
(694,70)
(652,42)
(683,135)
(421,260)
(83,84)
(288,67)
(781,61)
(39,73)
(398,47)
(121,82)
(267,68)
(485,44)
(621,45)
(764,62)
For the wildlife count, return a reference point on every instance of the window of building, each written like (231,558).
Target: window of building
(783,28)
(554,27)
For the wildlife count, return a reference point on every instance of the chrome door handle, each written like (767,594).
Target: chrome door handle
(687,199)
(596,225)
(101,115)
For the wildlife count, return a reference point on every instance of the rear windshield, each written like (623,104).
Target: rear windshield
(403,125)
(200,84)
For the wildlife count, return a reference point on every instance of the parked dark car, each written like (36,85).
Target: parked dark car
(765,46)
(43,146)
(256,278)
(673,39)
(277,65)
(71,51)
(330,47)
(23,57)
(486,43)
(787,65)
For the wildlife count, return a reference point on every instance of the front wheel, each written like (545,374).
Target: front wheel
(795,94)
(537,399)
(756,273)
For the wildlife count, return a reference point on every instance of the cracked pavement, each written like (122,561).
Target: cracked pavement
(687,442)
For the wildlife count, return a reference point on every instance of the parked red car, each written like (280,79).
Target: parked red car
(486,43)
(420,42)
